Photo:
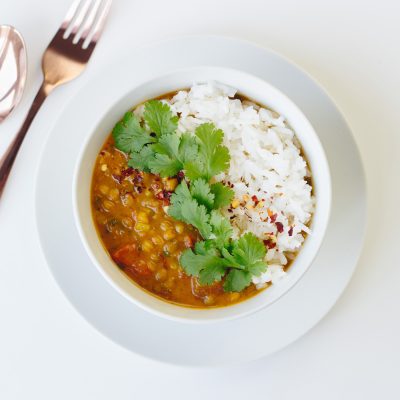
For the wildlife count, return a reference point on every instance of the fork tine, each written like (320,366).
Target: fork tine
(79,16)
(90,20)
(97,28)
(87,20)
(70,14)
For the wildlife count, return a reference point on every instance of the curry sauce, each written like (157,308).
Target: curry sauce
(129,212)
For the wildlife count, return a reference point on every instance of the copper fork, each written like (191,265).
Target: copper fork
(64,59)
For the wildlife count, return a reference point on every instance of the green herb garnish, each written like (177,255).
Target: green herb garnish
(212,157)
(129,136)
(241,262)
(159,118)
(154,145)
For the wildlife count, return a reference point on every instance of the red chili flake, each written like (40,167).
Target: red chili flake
(269,243)
(180,176)
(279,226)
(273,218)
(167,194)
(255,199)
(290,231)
(103,153)
(117,178)
(127,172)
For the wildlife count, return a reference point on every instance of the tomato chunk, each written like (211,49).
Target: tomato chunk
(128,257)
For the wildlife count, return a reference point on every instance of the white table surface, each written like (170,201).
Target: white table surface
(47,351)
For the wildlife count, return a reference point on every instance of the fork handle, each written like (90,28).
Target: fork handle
(7,161)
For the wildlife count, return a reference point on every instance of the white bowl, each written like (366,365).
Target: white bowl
(261,92)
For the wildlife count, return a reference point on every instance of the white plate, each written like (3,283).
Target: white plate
(126,324)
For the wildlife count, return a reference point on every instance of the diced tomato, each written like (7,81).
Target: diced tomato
(128,257)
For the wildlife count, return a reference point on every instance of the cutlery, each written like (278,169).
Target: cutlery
(64,59)
(13,69)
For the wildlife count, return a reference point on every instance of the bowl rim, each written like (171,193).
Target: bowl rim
(142,305)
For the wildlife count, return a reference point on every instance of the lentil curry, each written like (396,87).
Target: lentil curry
(143,240)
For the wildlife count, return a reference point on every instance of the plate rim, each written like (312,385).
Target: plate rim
(161,43)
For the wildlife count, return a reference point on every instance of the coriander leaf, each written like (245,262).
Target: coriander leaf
(219,161)
(223,195)
(168,144)
(177,148)
(212,157)
(230,260)
(257,268)
(185,208)
(193,263)
(159,117)
(165,162)
(209,136)
(196,214)
(164,165)
(200,191)
(248,249)
(245,261)
(221,228)
(237,280)
(129,136)
(174,211)
(212,272)
(182,191)
(142,159)
(194,169)
(200,247)
(206,247)
(179,196)
(187,148)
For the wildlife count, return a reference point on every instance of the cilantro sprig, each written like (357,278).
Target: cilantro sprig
(129,135)
(212,157)
(154,145)
(241,259)
(159,118)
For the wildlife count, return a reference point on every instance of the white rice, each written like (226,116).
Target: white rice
(266,162)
